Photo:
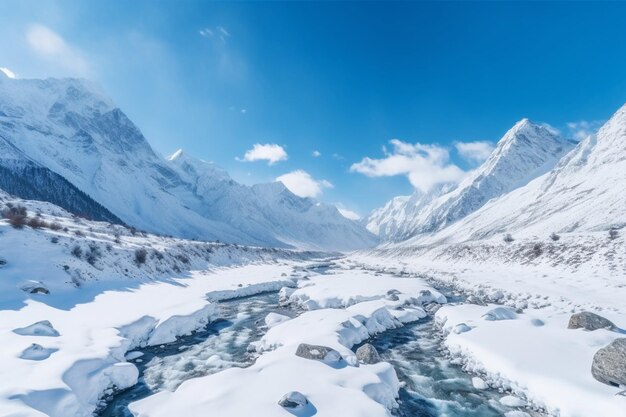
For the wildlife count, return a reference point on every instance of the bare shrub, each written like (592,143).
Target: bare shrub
(613,233)
(93,254)
(55,226)
(16,215)
(77,251)
(36,223)
(140,256)
(508,238)
(555,237)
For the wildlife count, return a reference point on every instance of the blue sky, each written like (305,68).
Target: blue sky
(441,79)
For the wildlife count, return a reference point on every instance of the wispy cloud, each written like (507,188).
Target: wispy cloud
(269,152)
(581,129)
(49,45)
(316,154)
(8,72)
(476,152)
(219,33)
(302,184)
(424,165)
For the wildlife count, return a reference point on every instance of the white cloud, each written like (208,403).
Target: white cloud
(347,213)
(8,72)
(271,153)
(424,165)
(583,128)
(51,46)
(302,184)
(474,151)
(317,154)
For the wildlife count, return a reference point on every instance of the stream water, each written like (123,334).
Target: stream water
(432,385)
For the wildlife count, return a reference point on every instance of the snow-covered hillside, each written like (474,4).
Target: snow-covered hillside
(71,129)
(526,151)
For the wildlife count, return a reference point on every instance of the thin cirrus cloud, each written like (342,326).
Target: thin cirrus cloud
(302,184)
(50,46)
(218,33)
(269,152)
(476,152)
(581,129)
(424,165)
(316,154)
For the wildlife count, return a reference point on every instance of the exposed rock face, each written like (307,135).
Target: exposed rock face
(293,399)
(367,354)
(318,353)
(589,321)
(609,363)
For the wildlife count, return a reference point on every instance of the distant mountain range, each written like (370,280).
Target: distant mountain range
(63,141)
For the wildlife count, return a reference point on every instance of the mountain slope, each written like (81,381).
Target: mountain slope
(583,193)
(268,211)
(526,151)
(68,127)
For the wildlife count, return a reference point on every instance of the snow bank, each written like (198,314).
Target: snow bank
(549,365)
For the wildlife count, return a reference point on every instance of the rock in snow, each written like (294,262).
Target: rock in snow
(293,399)
(36,352)
(367,354)
(319,353)
(589,321)
(41,328)
(609,363)
(500,313)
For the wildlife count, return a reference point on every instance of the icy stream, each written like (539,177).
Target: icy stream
(432,385)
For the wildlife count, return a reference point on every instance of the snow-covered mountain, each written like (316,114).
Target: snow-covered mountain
(71,129)
(525,152)
(583,193)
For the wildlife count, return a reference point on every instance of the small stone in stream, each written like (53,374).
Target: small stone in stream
(472,299)
(479,383)
(367,354)
(461,328)
(511,401)
(293,399)
(609,363)
(589,321)
(318,353)
(426,293)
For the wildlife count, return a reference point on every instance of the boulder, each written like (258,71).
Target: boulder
(589,321)
(461,328)
(609,363)
(367,354)
(318,353)
(293,399)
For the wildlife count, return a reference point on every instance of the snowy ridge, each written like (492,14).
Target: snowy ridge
(75,131)
(526,151)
